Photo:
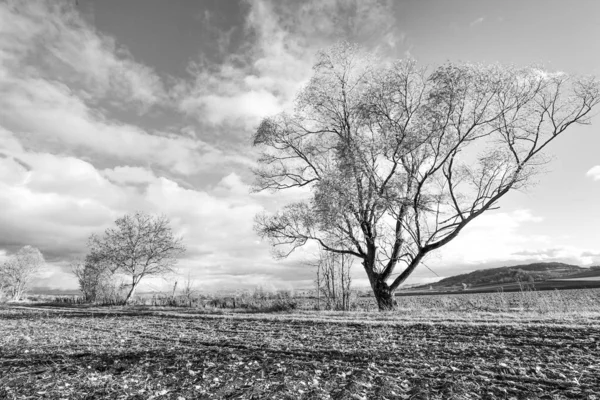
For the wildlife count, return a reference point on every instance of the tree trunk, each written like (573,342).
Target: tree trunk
(384,296)
(131,292)
(17,292)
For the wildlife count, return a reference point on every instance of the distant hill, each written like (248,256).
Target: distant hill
(519,273)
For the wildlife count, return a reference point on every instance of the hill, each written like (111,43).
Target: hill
(528,273)
(587,273)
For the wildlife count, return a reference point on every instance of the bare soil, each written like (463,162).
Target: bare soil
(127,354)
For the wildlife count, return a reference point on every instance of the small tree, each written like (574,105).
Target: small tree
(188,290)
(141,245)
(16,272)
(399,159)
(96,281)
(334,280)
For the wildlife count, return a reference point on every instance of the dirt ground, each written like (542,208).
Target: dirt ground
(125,354)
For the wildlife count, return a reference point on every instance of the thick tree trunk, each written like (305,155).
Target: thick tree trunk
(384,296)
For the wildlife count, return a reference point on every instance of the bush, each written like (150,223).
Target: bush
(282,305)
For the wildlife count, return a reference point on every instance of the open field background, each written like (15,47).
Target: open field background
(186,353)
(526,299)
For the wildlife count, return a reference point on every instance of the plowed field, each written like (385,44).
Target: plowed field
(54,354)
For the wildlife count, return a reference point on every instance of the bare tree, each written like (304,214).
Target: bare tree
(334,280)
(400,158)
(96,280)
(141,245)
(16,272)
(188,290)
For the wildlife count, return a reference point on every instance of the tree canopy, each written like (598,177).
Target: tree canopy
(399,158)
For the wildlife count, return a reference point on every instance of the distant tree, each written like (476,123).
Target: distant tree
(95,278)
(16,272)
(3,286)
(399,159)
(141,245)
(188,290)
(334,280)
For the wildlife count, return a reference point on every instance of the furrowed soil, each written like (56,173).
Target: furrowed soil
(119,354)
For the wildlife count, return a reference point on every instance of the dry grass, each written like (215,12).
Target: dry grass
(527,301)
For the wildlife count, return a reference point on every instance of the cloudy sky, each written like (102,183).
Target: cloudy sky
(112,106)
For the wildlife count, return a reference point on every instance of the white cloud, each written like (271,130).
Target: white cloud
(594,173)
(126,174)
(59,78)
(477,21)
(491,237)
(217,109)
(263,78)
(67,48)
(232,183)
(53,113)
(567,254)
(55,202)
(63,121)
(500,237)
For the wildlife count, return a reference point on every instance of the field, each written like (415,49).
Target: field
(577,283)
(525,298)
(151,353)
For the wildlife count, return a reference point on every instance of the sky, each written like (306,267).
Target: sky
(111,106)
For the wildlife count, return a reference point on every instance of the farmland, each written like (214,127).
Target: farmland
(151,353)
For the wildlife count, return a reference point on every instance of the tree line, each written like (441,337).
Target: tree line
(140,245)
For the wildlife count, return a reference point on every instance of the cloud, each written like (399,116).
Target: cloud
(499,238)
(545,253)
(491,237)
(591,254)
(52,35)
(566,254)
(64,122)
(129,175)
(477,21)
(262,79)
(594,173)
(62,80)
(70,165)
(57,204)
(250,105)
(54,202)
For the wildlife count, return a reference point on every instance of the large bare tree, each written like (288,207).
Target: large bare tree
(16,272)
(399,159)
(141,245)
